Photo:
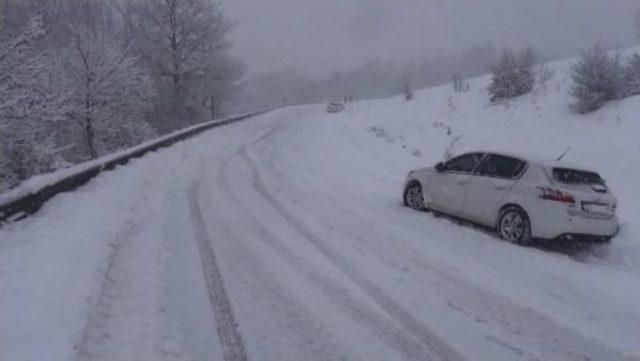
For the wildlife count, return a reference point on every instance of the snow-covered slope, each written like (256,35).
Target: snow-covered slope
(291,226)
(415,134)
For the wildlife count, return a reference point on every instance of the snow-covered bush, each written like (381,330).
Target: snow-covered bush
(597,79)
(513,75)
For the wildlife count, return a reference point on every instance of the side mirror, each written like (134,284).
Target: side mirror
(440,167)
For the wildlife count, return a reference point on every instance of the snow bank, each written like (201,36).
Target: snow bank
(37,183)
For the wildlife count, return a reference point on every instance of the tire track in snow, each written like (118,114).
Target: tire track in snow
(297,333)
(428,338)
(94,334)
(128,319)
(230,338)
(384,328)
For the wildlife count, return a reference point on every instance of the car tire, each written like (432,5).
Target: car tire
(514,226)
(414,197)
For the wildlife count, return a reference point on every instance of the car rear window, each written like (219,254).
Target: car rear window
(574,176)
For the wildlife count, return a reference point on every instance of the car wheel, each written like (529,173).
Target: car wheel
(514,226)
(413,197)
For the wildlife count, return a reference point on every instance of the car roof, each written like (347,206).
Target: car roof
(544,161)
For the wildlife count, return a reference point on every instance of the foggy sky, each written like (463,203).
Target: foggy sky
(318,36)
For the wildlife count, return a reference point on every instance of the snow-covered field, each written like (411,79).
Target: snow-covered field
(290,225)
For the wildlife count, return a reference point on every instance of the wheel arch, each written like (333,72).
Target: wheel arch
(413,182)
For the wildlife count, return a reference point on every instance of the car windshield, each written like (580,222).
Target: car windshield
(574,176)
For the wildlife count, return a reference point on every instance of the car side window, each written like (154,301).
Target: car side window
(501,166)
(465,163)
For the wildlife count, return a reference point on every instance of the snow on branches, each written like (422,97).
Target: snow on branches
(106,92)
(28,108)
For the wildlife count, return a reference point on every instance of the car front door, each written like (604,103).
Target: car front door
(448,187)
(495,177)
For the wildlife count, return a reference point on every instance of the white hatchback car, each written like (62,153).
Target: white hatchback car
(520,197)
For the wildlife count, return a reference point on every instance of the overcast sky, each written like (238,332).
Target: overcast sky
(318,36)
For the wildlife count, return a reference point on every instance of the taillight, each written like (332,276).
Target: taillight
(552,194)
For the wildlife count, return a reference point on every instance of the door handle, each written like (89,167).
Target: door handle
(500,188)
(463,183)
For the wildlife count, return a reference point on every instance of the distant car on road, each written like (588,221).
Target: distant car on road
(335,107)
(520,197)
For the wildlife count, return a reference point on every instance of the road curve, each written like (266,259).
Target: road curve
(283,238)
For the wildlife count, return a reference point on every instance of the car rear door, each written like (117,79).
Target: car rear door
(494,179)
(447,188)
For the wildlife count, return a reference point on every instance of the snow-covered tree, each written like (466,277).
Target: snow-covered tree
(28,106)
(107,92)
(632,76)
(597,79)
(101,72)
(183,42)
(513,75)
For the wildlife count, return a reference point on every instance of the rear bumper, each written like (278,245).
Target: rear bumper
(584,238)
(554,222)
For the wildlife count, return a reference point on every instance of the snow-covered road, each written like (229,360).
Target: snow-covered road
(284,238)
